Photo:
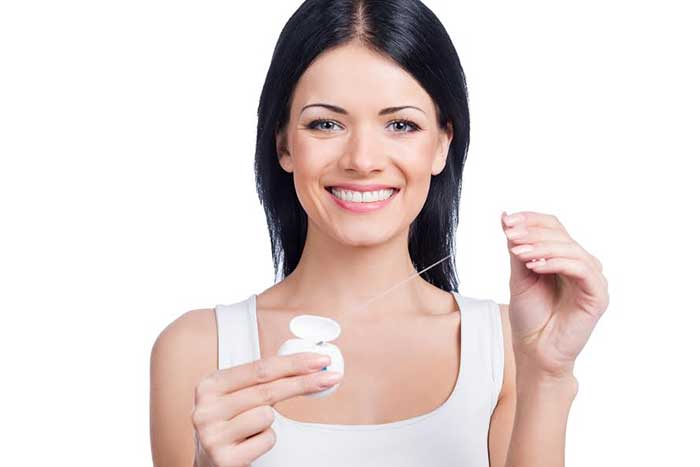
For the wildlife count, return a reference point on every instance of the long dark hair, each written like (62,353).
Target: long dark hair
(409,33)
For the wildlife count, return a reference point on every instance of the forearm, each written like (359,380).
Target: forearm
(541,413)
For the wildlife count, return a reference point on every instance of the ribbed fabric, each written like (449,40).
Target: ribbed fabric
(453,435)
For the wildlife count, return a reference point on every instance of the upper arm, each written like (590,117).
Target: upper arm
(504,414)
(183,354)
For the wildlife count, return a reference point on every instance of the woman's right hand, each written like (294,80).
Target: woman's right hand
(233,407)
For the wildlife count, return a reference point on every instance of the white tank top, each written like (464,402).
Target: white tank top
(453,435)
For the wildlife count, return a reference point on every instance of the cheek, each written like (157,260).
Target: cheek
(415,160)
(415,163)
(312,155)
(311,160)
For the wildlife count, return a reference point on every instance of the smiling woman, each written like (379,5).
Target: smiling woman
(362,137)
(364,100)
(351,89)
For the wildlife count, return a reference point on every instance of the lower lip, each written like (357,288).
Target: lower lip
(362,207)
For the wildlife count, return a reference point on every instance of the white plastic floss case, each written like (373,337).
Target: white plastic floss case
(314,334)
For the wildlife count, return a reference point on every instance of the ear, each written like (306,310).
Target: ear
(440,159)
(283,155)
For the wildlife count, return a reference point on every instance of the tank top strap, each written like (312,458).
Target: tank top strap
(237,331)
(482,340)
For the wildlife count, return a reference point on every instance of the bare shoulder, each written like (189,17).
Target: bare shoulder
(183,354)
(193,323)
(191,339)
(509,357)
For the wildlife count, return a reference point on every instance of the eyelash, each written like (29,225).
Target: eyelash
(312,125)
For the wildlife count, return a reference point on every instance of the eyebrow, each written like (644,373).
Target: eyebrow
(340,110)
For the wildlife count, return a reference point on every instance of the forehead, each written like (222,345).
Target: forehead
(357,78)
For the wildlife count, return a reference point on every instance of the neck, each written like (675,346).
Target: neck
(339,279)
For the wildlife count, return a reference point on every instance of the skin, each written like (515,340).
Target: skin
(357,256)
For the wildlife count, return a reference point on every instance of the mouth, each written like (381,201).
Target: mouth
(362,196)
(361,201)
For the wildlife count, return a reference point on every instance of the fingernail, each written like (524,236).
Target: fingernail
(330,378)
(319,362)
(513,219)
(522,249)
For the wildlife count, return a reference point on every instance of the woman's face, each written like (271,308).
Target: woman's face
(358,142)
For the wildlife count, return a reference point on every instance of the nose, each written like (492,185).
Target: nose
(364,152)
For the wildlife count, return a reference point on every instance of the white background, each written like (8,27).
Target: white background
(127,197)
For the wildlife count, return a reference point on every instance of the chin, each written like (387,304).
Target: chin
(359,235)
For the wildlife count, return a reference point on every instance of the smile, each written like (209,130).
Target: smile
(362,201)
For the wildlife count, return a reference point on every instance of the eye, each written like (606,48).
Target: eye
(406,124)
(313,124)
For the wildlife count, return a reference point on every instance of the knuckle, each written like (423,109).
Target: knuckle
(200,391)
(560,224)
(200,418)
(598,264)
(265,394)
(593,271)
(269,414)
(204,387)
(196,418)
(300,364)
(261,370)
(311,383)
(205,442)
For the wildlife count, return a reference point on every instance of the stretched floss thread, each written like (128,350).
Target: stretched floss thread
(364,305)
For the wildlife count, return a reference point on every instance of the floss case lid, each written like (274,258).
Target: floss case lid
(313,327)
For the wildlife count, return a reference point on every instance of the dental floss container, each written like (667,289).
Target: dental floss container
(314,334)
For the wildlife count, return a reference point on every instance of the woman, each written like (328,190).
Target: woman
(362,137)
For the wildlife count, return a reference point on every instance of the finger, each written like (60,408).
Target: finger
(531,234)
(598,264)
(273,392)
(263,371)
(528,221)
(248,450)
(534,219)
(244,425)
(519,275)
(552,249)
(580,272)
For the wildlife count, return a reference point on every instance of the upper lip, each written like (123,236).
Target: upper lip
(357,187)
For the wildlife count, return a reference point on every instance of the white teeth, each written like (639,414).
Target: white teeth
(362,197)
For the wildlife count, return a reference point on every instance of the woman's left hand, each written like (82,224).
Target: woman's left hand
(555,303)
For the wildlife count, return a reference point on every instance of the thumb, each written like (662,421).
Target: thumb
(520,275)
